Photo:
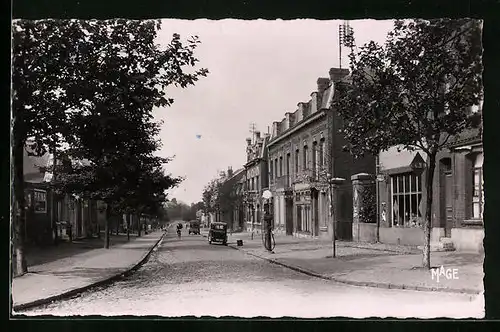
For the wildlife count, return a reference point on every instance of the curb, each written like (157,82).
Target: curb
(100,283)
(363,283)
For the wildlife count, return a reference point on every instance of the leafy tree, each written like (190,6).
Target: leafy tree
(69,73)
(415,92)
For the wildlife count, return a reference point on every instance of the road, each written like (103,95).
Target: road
(189,277)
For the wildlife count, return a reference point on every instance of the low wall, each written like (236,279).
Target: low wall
(408,236)
(399,235)
(364,232)
(468,239)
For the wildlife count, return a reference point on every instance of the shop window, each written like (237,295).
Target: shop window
(406,200)
(40,201)
(477,188)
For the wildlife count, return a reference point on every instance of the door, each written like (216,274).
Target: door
(316,213)
(448,183)
(289,216)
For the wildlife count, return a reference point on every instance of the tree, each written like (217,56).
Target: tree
(415,92)
(66,71)
(209,197)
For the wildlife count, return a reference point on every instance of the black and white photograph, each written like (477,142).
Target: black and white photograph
(248,168)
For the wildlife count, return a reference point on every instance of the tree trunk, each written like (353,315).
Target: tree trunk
(139,225)
(53,201)
(20,212)
(128,226)
(426,255)
(118,225)
(106,227)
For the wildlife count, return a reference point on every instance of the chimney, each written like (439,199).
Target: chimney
(322,84)
(337,74)
(314,102)
(229,171)
(249,141)
(257,135)
(275,128)
(303,109)
(289,120)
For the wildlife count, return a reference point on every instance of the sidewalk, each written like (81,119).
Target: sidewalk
(67,276)
(365,264)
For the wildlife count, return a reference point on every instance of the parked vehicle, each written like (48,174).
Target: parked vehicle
(194,227)
(218,233)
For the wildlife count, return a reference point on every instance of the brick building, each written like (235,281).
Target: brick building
(46,211)
(256,180)
(304,152)
(458,202)
(231,205)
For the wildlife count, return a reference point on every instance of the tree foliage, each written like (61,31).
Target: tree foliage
(93,85)
(415,92)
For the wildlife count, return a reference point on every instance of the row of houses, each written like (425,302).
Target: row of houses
(314,182)
(73,217)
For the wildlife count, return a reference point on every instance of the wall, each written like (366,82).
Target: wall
(363,232)
(468,239)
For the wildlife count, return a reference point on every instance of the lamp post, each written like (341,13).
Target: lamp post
(267,195)
(332,183)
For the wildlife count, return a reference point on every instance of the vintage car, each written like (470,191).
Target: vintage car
(218,233)
(194,227)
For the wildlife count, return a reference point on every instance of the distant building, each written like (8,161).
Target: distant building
(231,199)
(256,180)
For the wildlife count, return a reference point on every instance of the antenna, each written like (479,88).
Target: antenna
(253,129)
(346,38)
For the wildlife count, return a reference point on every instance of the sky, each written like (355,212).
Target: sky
(258,71)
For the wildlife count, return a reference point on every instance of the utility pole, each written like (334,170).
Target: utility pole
(346,38)
(253,129)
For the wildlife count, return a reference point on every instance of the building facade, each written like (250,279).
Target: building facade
(458,202)
(305,153)
(255,181)
(231,199)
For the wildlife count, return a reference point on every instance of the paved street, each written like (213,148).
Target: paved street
(190,277)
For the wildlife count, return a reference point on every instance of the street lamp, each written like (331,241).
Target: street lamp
(332,182)
(267,195)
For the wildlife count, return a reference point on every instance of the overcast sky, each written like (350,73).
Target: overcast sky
(258,71)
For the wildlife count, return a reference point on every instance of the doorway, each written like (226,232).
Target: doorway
(289,216)
(447,196)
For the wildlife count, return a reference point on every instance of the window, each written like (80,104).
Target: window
(288,164)
(276,168)
(322,152)
(297,152)
(305,157)
(281,166)
(477,187)
(257,183)
(270,169)
(406,200)
(40,201)
(315,159)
